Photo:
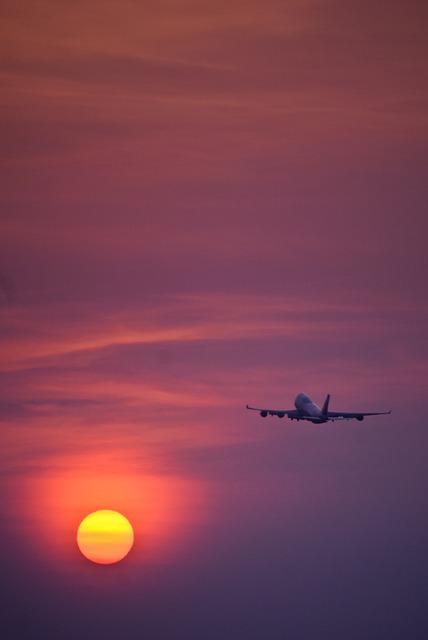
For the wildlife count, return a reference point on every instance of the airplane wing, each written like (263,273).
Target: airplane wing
(343,415)
(290,413)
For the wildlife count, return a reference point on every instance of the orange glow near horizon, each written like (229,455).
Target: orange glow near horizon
(160,507)
(105,536)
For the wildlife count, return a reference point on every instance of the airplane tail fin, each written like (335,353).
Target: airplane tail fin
(324,410)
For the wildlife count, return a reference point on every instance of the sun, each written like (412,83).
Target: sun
(105,536)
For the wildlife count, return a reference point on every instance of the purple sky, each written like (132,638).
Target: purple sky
(204,205)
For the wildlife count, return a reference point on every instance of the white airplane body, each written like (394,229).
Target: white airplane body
(307,410)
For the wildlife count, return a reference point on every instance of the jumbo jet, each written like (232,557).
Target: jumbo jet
(307,410)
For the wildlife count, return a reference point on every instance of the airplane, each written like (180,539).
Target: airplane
(307,410)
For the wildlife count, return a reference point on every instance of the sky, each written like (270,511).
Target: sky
(204,205)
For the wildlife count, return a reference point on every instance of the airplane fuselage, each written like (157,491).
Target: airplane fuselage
(308,410)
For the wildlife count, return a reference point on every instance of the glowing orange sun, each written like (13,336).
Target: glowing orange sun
(105,536)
